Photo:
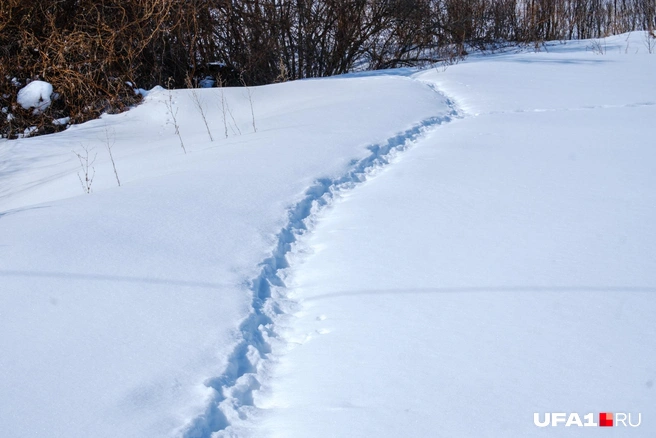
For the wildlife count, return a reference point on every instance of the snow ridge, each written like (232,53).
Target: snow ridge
(232,401)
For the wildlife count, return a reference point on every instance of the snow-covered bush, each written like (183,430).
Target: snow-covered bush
(37,95)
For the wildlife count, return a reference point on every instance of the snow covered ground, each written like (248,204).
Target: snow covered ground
(436,254)
(503,266)
(117,307)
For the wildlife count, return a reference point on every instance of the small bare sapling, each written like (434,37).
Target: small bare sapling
(628,43)
(110,139)
(283,74)
(173,112)
(250,100)
(224,106)
(87,170)
(650,41)
(199,104)
(234,127)
(597,47)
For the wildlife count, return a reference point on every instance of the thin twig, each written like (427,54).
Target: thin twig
(198,102)
(170,106)
(109,144)
(234,122)
(223,106)
(250,100)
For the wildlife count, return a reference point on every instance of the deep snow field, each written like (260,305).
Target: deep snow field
(427,253)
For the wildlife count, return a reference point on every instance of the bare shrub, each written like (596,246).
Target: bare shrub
(283,74)
(91,52)
(95,53)
(597,47)
(650,41)
(87,172)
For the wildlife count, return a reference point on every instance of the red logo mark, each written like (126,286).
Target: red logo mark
(606,419)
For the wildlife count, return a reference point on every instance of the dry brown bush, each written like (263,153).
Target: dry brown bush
(90,49)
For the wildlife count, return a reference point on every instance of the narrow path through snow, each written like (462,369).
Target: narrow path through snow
(118,308)
(248,364)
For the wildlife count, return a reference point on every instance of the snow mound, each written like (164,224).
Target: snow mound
(35,95)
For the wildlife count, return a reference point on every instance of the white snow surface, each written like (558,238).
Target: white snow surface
(35,95)
(441,253)
(117,307)
(503,266)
